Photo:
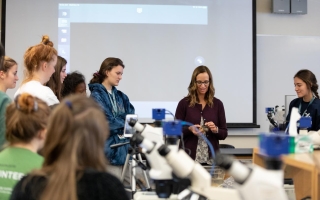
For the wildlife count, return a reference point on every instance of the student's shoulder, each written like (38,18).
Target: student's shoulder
(295,102)
(100,177)
(4,98)
(119,92)
(122,95)
(105,183)
(317,102)
(33,87)
(29,182)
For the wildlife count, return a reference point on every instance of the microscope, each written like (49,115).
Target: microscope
(169,160)
(251,182)
(181,165)
(276,117)
(160,172)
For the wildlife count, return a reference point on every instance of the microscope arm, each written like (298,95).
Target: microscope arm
(256,182)
(272,121)
(184,167)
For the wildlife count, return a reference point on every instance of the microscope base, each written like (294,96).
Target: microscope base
(151,196)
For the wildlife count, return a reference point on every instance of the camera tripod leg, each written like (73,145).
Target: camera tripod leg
(144,172)
(133,174)
(124,170)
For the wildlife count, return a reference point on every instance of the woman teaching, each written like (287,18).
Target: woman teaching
(201,108)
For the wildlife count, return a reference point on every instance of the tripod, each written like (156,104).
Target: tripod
(133,169)
(133,165)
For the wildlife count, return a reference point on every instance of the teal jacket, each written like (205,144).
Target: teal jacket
(4,102)
(116,156)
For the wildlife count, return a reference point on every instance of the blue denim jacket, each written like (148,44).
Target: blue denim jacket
(115,156)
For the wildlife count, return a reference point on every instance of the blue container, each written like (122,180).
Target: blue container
(274,145)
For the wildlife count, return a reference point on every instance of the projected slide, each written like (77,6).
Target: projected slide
(160,42)
(124,14)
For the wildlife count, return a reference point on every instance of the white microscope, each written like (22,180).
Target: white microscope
(252,183)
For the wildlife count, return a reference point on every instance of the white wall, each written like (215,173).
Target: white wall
(277,25)
(287,26)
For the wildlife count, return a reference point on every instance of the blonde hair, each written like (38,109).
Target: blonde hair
(43,52)
(76,134)
(25,117)
(193,95)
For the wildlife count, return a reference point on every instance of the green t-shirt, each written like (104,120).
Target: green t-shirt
(4,102)
(14,164)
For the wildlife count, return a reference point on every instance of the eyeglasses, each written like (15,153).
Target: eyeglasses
(199,83)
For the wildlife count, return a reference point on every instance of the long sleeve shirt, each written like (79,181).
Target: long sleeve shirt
(116,156)
(193,115)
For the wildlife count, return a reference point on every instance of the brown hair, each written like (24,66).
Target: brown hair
(193,95)
(25,117)
(310,79)
(35,55)
(2,53)
(76,134)
(55,81)
(7,64)
(107,65)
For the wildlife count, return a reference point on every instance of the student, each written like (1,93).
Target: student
(308,102)
(39,61)
(8,80)
(74,165)
(57,78)
(26,121)
(116,106)
(200,108)
(74,83)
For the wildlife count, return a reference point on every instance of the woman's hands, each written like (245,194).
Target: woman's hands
(212,127)
(194,128)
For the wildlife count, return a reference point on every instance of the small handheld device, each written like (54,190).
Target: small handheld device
(128,130)
(204,128)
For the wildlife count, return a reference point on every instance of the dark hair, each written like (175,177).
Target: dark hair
(7,64)
(37,54)
(2,53)
(310,79)
(107,65)
(71,82)
(193,95)
(55,81)
(25,117)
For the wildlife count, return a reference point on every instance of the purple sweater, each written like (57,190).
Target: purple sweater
(193,115)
